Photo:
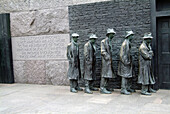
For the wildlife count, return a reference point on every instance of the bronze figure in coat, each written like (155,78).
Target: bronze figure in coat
(89,64)
(125,64)
(146,77)
(107,71)
(74,72)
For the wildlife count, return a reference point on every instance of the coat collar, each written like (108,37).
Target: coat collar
(144,44)
(107,44)
(92,45)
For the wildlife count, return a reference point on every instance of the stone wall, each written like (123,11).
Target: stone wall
(120,15)
(34,23)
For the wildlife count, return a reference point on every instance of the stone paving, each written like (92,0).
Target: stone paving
(29,98)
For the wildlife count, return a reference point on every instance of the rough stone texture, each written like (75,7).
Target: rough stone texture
(56,71)
(50,21)
(19,72)
(14,5)
(46,4)
(35,72)
(75,2)
(120,15)
(41,72)
(42,47)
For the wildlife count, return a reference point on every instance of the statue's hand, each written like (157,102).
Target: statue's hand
(127,62)
(150,57)
(107,57)
(151,53)
(72,60)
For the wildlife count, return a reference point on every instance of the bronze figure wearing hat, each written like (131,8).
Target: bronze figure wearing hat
(89,64)
(125,64)
(146,77)
(74,72)
(107,67)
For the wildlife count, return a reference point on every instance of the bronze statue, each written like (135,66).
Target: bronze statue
(146,77)
(107,67)
(125,64)
(74,72)
(89,64)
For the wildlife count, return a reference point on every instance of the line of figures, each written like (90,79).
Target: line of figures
(145,76)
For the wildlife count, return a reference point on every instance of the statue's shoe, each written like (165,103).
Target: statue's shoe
(104,91)
(94,89)
(131,90)
(125,92)
(145,93)
(110,89)
(79,89)
(73,90)
(87,90)
(152,90)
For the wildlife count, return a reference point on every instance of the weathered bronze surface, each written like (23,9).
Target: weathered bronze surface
(145,76)
(125,64)
(74,72)
(107,66)
(89,64)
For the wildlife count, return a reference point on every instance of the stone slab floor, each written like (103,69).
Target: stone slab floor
(42,99)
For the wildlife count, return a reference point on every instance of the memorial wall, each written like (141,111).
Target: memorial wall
(41,30)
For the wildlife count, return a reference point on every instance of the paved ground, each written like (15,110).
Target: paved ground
(27,98)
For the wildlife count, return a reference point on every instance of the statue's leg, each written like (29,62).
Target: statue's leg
(151,90)
(92,86)
(77,86)
(109,88)
(129,85)
(72,86)
(87,87)
(144,90)
(103,86)
(124,86)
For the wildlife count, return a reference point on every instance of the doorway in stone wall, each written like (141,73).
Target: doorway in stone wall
(6,64)
(163,41)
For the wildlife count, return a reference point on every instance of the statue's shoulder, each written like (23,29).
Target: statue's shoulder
(125,42)
(142,46)
(69,45)
(103,41)
(86,44)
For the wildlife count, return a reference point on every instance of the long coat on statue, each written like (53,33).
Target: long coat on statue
(125,63)
(145,76)
(106,53)
(89,61)
(74,61)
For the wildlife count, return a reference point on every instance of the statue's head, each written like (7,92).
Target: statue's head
(129,35)
(110,33)
(75,37)
(148,37)
(93,38)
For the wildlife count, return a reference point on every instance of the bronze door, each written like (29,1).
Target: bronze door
(6,67)
(163,42)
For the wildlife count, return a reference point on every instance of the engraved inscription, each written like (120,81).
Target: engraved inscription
(40,47)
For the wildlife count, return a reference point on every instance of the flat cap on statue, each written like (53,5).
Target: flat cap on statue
(128,33)
(93,36)
(75,35)
(110,31)
(148,35)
